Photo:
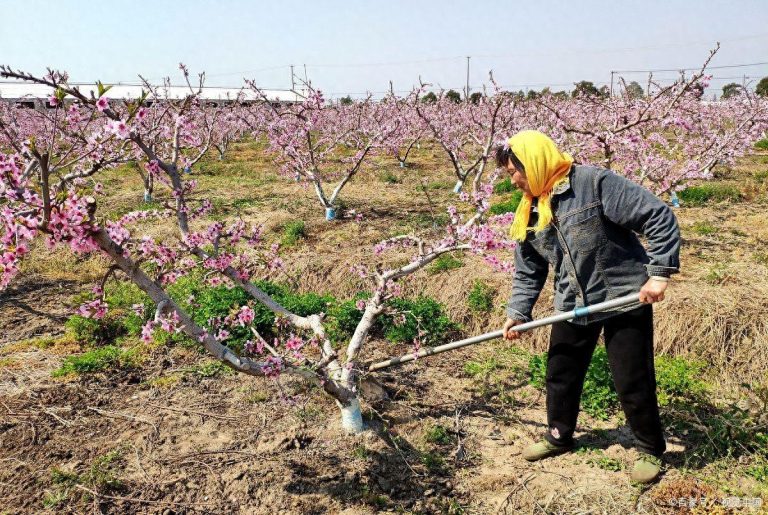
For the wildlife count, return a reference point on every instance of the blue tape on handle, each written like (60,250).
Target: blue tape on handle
(581,312)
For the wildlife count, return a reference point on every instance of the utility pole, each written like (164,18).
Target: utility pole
(306,79)
(466,92)
(293,83)
(612,72)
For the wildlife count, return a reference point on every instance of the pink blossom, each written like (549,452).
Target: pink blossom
(245,316)
(95,309)
(153,167)
(138,309)
(102,104)
(118,233)
(147,330)
(272,367)
(294,343)
(119,128)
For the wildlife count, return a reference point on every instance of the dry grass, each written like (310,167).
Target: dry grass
(61,264)
(726,325)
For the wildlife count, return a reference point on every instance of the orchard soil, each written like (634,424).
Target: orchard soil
(167,437)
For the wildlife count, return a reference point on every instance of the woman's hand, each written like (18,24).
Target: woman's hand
(509,334)
(653,291)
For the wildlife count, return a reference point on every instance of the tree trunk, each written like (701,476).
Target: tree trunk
(459,185)
(351,416)
(149,187)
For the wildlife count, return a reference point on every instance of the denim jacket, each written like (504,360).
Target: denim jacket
(592,245)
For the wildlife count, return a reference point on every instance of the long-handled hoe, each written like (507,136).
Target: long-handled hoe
(576,313)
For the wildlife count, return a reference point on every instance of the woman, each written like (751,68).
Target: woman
(583,220)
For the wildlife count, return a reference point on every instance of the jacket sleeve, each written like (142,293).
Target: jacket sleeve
(634,207)
(531,271)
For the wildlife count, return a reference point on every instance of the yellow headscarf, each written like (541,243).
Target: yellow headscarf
(545,167)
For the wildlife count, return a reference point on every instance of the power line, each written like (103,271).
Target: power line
(454,58)
(694,68)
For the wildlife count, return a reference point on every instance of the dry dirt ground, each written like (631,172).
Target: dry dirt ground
(214,445)
(169,438)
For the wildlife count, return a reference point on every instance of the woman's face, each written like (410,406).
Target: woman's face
(518,178)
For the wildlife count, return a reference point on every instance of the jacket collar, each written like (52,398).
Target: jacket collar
(557,190)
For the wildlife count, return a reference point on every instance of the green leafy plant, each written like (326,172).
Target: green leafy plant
(716,274)
(96,331)
(55,498)
(438,435)
(761,257)
(63,477)
(343,318)
(123,296)
(247,202)
(211,368)
(389,178)
(700,195)
(762,144)
(504,186)
(209,303)
(507,206)
(480,299)
(443,263)
(103,473)
(704,228)
(102,476)
(433,461)
(360,452)
(293,231)
(421,317)
(678,378)
(481,368)
(599,395)
(97,360)
(759,472)
(600,460)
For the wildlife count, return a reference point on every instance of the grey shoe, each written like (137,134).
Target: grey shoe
(544,449)
(647,469)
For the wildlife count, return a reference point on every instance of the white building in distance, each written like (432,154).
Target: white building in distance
(36,95)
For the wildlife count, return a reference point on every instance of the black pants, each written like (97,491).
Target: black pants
(629,344)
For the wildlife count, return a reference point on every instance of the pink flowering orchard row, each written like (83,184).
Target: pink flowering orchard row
(662,140)
(50,191)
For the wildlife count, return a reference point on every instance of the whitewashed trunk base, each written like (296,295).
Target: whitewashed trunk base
(351,417)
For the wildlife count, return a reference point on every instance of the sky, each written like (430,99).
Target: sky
(357,47)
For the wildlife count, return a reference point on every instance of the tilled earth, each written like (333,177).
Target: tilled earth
(161,439)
